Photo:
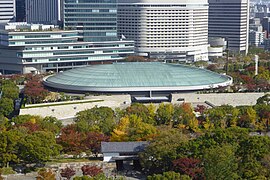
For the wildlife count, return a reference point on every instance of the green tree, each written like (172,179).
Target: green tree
(158,156)
(164,114)
(9,146)
(170,175)
(142,111)
(217,117)
(10,90)
(51,124)
(6,106)
(264,99)
(39,146)
(4,123)
(252,150)
(247,117)
(96,119)
(220,163)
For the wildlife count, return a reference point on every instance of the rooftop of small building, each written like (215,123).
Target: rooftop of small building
(123,147)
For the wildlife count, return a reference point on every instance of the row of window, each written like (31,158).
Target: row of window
(90,1)
(92,10)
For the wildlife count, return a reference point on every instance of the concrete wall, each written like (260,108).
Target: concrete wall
(234,99)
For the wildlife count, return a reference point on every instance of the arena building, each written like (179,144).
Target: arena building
(137,77)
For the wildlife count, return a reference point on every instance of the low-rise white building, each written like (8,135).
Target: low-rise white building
(26,48)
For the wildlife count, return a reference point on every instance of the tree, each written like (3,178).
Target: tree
(264,100)
(99,119)
(91,170)
(9,146)
(1,178)
(37,123)
(189,166)
(10,90)
(164,114)
(39,146)
(131,128)
(4,123)
(51,124)
(264,113)
(211,67)
(196,147)
(160,153)
(220,163)
(252,150)
(142,111)
(34,91)
(184,117)
(247,117)
(71,140)
(45,174)
(170,175)
(92,141)
(217,117)
(67,173)
(6,106)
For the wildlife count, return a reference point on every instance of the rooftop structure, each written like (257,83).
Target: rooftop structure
(115,151)
(137,77)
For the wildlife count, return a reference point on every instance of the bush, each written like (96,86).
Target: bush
(7,170)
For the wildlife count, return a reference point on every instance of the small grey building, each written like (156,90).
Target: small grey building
(123,151)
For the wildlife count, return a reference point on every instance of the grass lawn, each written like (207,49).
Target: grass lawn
(61,104)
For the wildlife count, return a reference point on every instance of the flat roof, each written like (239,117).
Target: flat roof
(137,76)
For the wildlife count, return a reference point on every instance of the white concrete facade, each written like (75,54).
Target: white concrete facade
(176,29)
(256,38)
(7,11)
(37,48)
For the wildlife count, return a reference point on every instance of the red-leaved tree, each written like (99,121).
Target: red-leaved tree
(34,91)
(67,173)
(93,141)
(71,140)
(91,170)
(189,166)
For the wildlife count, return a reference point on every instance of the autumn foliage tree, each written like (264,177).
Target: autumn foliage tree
(91,170)
(71,140)
(34,91)
(67,173)
(189,166)
(75,142)
(45,174)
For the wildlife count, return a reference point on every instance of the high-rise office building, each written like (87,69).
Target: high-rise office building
(20,11)
(96,19)
(43,11)
(169,30)
(7,11)
(230,19)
